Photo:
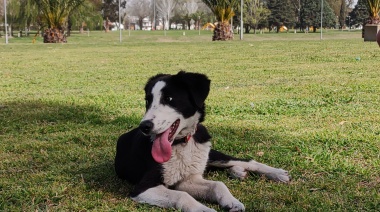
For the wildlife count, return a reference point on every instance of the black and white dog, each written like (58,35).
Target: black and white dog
(166,156)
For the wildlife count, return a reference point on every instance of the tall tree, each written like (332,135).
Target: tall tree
(335,6)
(189,8)
(223,11)
(297,6)
(165,9)
(255,13)
(141,9)
(342,14)
(20,14)
(87,15)
(311,14)
(110,9)
(283,13)
(359,14)
(341,9)
(53,14)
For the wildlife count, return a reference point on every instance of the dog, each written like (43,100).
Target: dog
(166,156)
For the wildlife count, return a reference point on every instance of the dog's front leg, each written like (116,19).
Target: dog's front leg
(166,198)
(213,191)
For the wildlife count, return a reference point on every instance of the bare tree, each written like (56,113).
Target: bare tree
(165,9)
(297,5)
(188,8)
(140,9)
(350,3)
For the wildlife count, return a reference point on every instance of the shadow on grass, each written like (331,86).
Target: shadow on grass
(26,115)
(65,140)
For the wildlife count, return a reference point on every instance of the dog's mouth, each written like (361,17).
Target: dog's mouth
(173,128)
(162,144)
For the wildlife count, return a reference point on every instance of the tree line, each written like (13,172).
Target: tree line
(96,14)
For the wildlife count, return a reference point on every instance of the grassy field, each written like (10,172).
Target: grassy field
(288,100)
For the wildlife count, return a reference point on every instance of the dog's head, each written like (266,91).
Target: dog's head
(174,106)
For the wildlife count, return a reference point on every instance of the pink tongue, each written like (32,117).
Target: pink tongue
(162,149)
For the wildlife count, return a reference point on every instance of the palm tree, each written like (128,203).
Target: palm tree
(374,9)
(223,11)
(372,26)
(53,14)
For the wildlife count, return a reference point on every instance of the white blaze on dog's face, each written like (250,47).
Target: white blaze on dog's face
(174,106)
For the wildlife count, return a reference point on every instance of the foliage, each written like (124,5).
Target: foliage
(188,11)
(359,15)
(222,9)
(110,9)
(20,14)
(255,15)
(54,13)
(373,11)
(311,14)
(86,16)
(283,13)
(224,12)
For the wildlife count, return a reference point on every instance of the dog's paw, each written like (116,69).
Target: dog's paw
(235,206)
(238,172)
(279,175)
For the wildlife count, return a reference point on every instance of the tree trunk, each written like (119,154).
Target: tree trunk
(10,30)
(222,32)
(106,25)
(140,23)
(247,28)
(69,25)
(54,35)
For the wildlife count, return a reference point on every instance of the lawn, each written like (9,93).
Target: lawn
(289,100)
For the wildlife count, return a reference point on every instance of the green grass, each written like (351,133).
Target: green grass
(310,106)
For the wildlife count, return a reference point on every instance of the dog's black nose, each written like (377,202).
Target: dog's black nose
(146,126)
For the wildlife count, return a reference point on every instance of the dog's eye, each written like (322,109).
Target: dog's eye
(168,99)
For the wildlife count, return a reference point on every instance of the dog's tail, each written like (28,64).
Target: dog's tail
(239,168)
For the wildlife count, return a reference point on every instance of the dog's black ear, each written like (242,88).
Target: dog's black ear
(198,85)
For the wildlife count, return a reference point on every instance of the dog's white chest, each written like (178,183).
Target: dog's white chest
(187,159)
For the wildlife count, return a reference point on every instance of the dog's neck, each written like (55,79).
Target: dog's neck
(186,139)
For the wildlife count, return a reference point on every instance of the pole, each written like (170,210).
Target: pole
(6,23)
(119,23)
(241,20)
(154,15)
(199,25)
(321,18)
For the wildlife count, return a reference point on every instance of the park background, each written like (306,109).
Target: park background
(290,100)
